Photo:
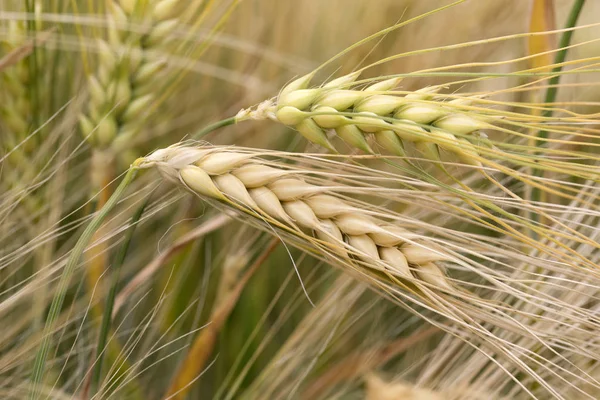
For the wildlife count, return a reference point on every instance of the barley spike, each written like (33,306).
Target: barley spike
(245,182)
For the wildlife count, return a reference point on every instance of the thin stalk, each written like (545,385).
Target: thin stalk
(32,65)
(552,90)
(561,55)
(213,127)
(58,300)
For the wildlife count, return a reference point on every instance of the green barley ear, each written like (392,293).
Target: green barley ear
(21,105)
(354,115)
(123,86)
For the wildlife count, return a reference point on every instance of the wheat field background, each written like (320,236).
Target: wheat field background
(316,199)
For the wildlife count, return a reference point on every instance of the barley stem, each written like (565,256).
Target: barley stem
(213,127)
(561,55)
(61,291)
(552,90)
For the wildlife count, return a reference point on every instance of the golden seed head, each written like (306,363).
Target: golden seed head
(327,206)
(330,233)
(356,224)
(419,254)
(269,203)
(301,214)
(200,182)
(255,175)
(255,188)
(235,190)
(396,259)
(367,250)
(222,162)
(289,189)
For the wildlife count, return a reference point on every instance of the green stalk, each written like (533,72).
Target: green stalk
(552,90)
(32,65)
(58,300)
(213,127)
(561,55)
(110,299)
